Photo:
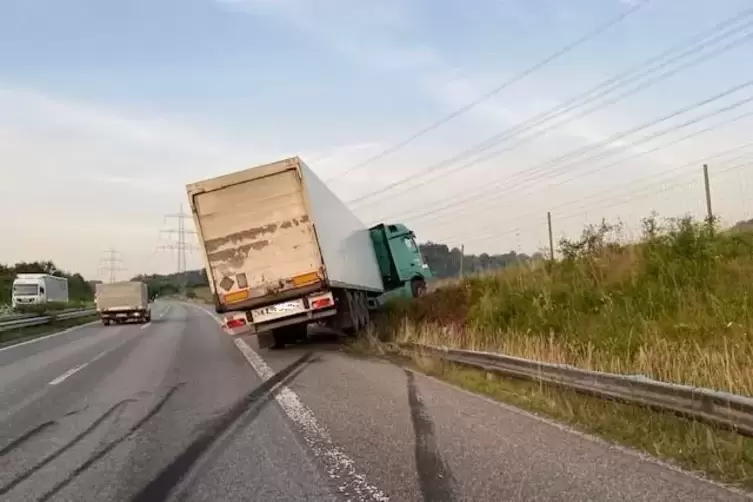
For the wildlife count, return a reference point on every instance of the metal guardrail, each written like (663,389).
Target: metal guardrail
(13,317)
(33,320)
(718,408)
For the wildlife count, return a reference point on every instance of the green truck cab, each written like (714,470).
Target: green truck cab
(404,271)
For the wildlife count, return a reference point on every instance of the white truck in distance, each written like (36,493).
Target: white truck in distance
(34,289)
(282,251)
(119,302)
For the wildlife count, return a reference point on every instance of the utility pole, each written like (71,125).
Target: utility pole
(181,246)
(110,263)
(709,213)
(462,257)
(551,239)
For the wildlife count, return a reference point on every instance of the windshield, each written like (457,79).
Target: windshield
(25,289)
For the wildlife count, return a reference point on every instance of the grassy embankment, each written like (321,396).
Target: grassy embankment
(676,307)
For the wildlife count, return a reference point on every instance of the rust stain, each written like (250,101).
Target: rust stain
(259,245)
(246,235)
(287,224)
(304,218)
(235,258)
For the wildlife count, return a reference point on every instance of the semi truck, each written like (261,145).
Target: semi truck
(34,289)
(281,251)
(120,302)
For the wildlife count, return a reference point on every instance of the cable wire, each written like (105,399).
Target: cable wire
(572,104)
(571,46)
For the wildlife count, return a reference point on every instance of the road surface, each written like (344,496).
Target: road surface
(178,410)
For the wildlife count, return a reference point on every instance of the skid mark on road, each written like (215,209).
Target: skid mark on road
(338,464)
(25,437)
(434,476)
(52,456)
(161,486)
(108,447)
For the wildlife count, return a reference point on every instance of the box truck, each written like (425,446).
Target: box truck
(119,302)
(33,289)
(282,251)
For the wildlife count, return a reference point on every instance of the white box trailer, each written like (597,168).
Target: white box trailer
(119,302)
(33,289)
(281,249)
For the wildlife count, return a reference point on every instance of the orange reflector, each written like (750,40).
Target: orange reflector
(321,303)
(305,279)
(236,323)
(236,297)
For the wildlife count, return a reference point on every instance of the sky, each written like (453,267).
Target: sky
(468,121)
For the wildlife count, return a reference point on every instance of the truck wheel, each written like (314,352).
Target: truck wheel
(105,322)
(418,288)
(363,310)
(349,322)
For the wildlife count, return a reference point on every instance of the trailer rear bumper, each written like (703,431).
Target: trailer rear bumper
(277,315)
(116,316)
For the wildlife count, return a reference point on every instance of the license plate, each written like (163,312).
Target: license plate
(278,310)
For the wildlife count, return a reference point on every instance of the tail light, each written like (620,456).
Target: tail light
(321,303)
(236,323)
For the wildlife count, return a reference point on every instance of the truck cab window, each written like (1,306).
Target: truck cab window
(41,290)
(410,243)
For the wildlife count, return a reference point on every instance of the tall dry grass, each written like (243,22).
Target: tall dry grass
(676,307)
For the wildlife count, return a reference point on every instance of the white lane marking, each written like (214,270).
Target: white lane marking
(163,314)
(68,373)
(35,340)
(340,466)
(75,370)
(146,325)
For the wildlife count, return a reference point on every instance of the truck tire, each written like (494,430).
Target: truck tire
(363,309)
(418,288)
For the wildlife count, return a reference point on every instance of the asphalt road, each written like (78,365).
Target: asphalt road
(176,409)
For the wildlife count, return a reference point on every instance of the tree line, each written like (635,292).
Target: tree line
(445,261)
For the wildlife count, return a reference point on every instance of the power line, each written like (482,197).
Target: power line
(604,89)
(111,263)
(614,199)
(571,156)
(181,246)
(580,41)
(659,178)
(715,156)
(566,169)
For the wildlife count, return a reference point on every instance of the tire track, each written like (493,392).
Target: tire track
(49,458)
(26,436)
(434,477)
(160,487)
(101,452)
